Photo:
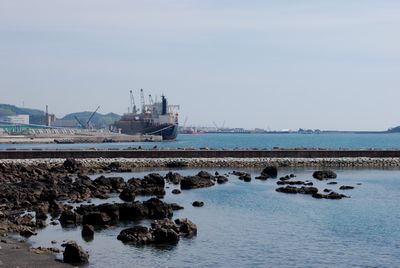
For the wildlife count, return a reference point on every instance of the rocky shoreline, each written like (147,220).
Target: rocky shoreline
(35,193)
(130,164)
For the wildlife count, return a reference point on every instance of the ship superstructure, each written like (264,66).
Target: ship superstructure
(155,118)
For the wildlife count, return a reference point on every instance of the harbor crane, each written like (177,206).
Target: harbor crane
(133,105)
(87,125)
(142,100)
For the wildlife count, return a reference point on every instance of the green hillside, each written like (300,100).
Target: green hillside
(98,120)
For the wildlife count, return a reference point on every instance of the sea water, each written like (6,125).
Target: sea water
(251,225)
(269,141)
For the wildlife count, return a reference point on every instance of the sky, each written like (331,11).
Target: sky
(283,64)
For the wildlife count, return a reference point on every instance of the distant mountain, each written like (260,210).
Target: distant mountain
(394,130)
(36,116)
(98,120)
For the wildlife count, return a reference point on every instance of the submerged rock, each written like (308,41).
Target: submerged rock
(221,179)
(194,182)
(324,174)
(345,187)
(87,231)
(331,195)
(296,190)
(198,204)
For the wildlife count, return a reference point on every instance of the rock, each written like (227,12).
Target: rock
(186,227)
(176,164)
(153,179)
(165,236)
(175,178)
(198,204)
(345,187)
(271,171)
(221,179)
(240,173)
(27,232)
(69,217)
(331,195)
(285,178)
(332,182)
(165,231)
(71,164)
(75,254)
(280,182)
(175,206)
(87,230)
(114,166)
(262,177)
(128,194)
(295,190)
(194,182)
(327,190)
(157,209)
(176,191)
(205,175)
(308,184)
(137,234)
(96,218)
(246,177)
(324,174)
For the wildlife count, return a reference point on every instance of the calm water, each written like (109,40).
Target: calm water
(248,141)
(251,225)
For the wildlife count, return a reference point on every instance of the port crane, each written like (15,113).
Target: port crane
(87,125)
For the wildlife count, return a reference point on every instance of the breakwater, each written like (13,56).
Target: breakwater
(198,153)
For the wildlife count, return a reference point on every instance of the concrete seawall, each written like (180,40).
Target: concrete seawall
(206,153)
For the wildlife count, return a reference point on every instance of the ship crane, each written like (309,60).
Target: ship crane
(151,102)
(91,116)
(133,105)
(142,100)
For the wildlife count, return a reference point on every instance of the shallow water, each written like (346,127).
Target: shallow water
(250,225)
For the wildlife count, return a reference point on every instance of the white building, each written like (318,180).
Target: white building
(15,119)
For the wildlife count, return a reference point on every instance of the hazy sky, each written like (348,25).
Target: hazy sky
(328,64)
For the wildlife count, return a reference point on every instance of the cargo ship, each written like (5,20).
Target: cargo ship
(155,118)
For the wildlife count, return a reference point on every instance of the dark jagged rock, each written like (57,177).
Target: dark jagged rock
(165,231)
(245,177)
(327,190)
(345,187)
(324,174)
(221,179)
(308,184)
(75,254)
(262,177)
(175,206)
(295,190)
(176,164)
(290,182)
(114,166)
(96,218)
(331,195)
(153,179)
(174,178)
(137,234)
(157,209)
(205,175)
(132,211)
(71,164)
(240,173)
(186,227)
(194,182)
(271,171)
(110,184)
(128,194)
(332,182)
(87,231)
(287,177)
(27,232)
(70,217)
(176,191)
(198,204)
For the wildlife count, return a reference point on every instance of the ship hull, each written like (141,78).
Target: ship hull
(130,127)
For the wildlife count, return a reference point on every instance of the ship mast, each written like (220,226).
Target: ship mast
(142,100)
